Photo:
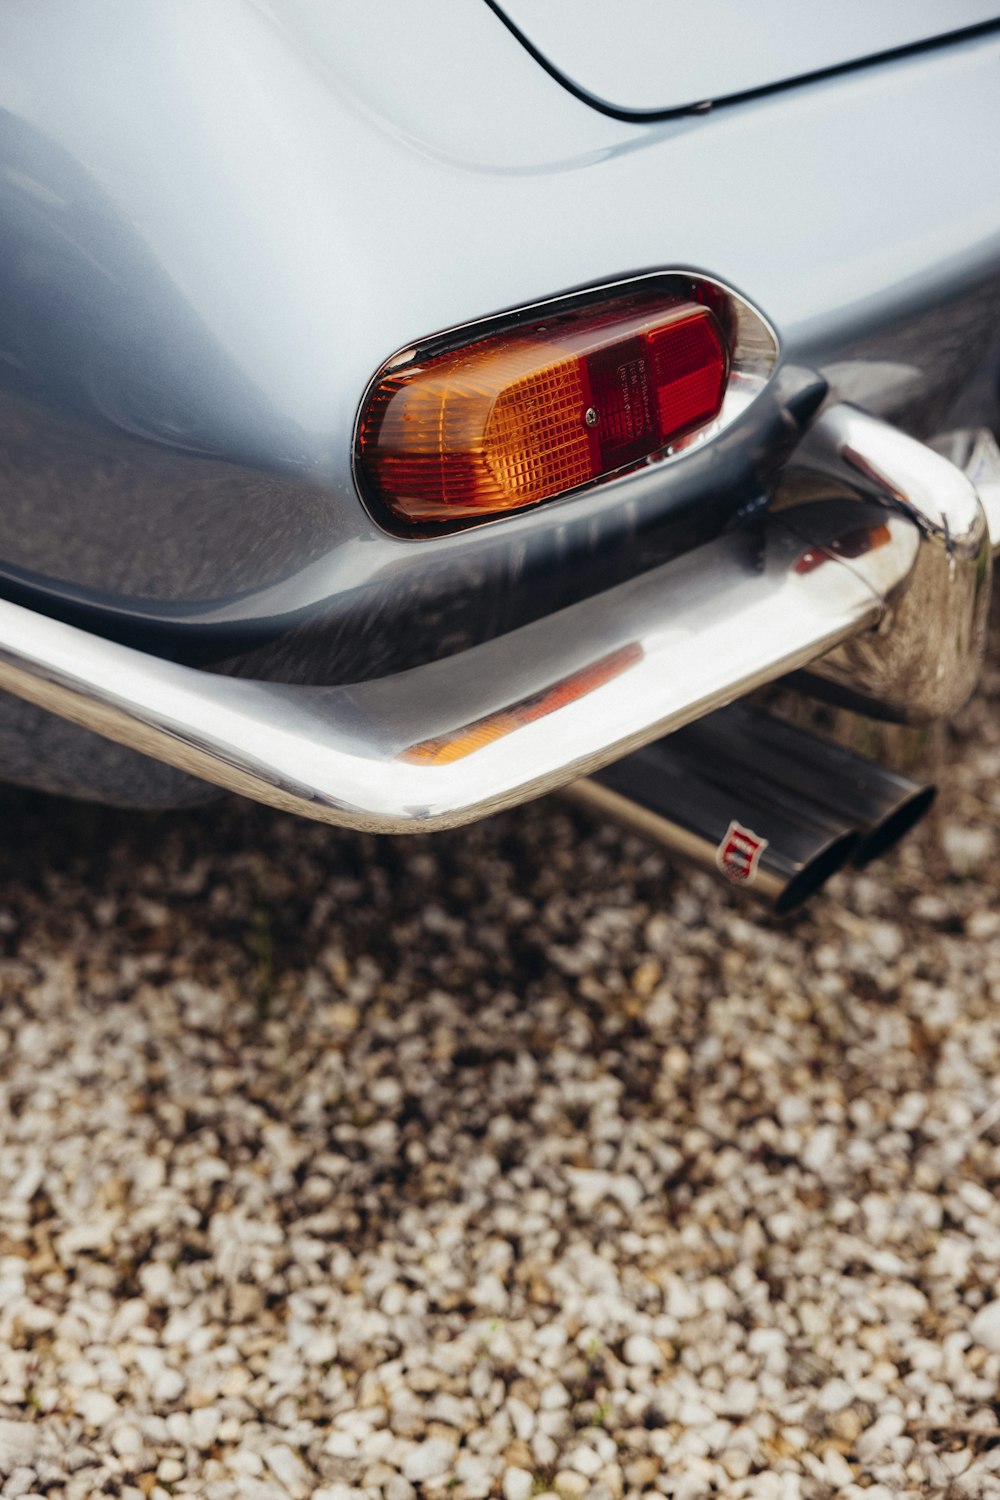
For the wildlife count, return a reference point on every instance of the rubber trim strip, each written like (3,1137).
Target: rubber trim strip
(704,106)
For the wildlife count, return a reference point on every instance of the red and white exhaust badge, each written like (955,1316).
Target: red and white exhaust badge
(739,853)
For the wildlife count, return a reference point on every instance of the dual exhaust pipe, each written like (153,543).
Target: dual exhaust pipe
(768,806)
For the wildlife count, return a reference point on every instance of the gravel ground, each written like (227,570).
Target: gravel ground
(510,1162)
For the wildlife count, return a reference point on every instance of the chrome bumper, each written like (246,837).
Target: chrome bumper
(464,737)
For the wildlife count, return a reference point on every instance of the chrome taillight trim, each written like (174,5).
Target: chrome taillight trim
(754,357)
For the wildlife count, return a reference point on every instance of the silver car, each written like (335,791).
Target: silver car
(410,408)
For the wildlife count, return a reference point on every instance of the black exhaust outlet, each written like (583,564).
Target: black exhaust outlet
(768,806)
(776,853)
(769,752)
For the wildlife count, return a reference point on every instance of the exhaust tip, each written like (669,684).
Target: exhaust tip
(816,872)
(876,841)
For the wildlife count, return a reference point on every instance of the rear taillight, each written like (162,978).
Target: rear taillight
(525,414)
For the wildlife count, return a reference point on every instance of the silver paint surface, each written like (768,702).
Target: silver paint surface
(219,220)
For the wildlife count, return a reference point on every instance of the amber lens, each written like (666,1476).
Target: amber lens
(530,414)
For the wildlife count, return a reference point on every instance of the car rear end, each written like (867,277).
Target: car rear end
(248,256)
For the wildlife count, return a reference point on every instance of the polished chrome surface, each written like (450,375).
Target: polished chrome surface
(784,848)
(465,736)
(924,660)
(747,747)
(976,452)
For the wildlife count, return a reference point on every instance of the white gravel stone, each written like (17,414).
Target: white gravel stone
(985,1326)
(569,1485)
(739,1398)
(168,1386)
(838,1470)
(19,1483)
(517,1483)
(522,1418)
(245,1461)
(584,1461)
(475,1473)
(835,1395)
(157,1281)
(639,1350)
(820,1148)
(96,1408)
(18,1444)
(126,1440)
(204,1426)
(341,1445)
(288,1469)
(432,1459)
(694,1413)
(876,1439)
(321,1349)
(966,848)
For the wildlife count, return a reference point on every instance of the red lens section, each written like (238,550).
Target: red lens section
(689,368)
(529,414)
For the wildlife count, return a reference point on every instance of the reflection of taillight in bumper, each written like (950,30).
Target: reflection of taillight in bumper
(455,432)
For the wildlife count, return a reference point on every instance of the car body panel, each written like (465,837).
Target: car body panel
(217,223)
